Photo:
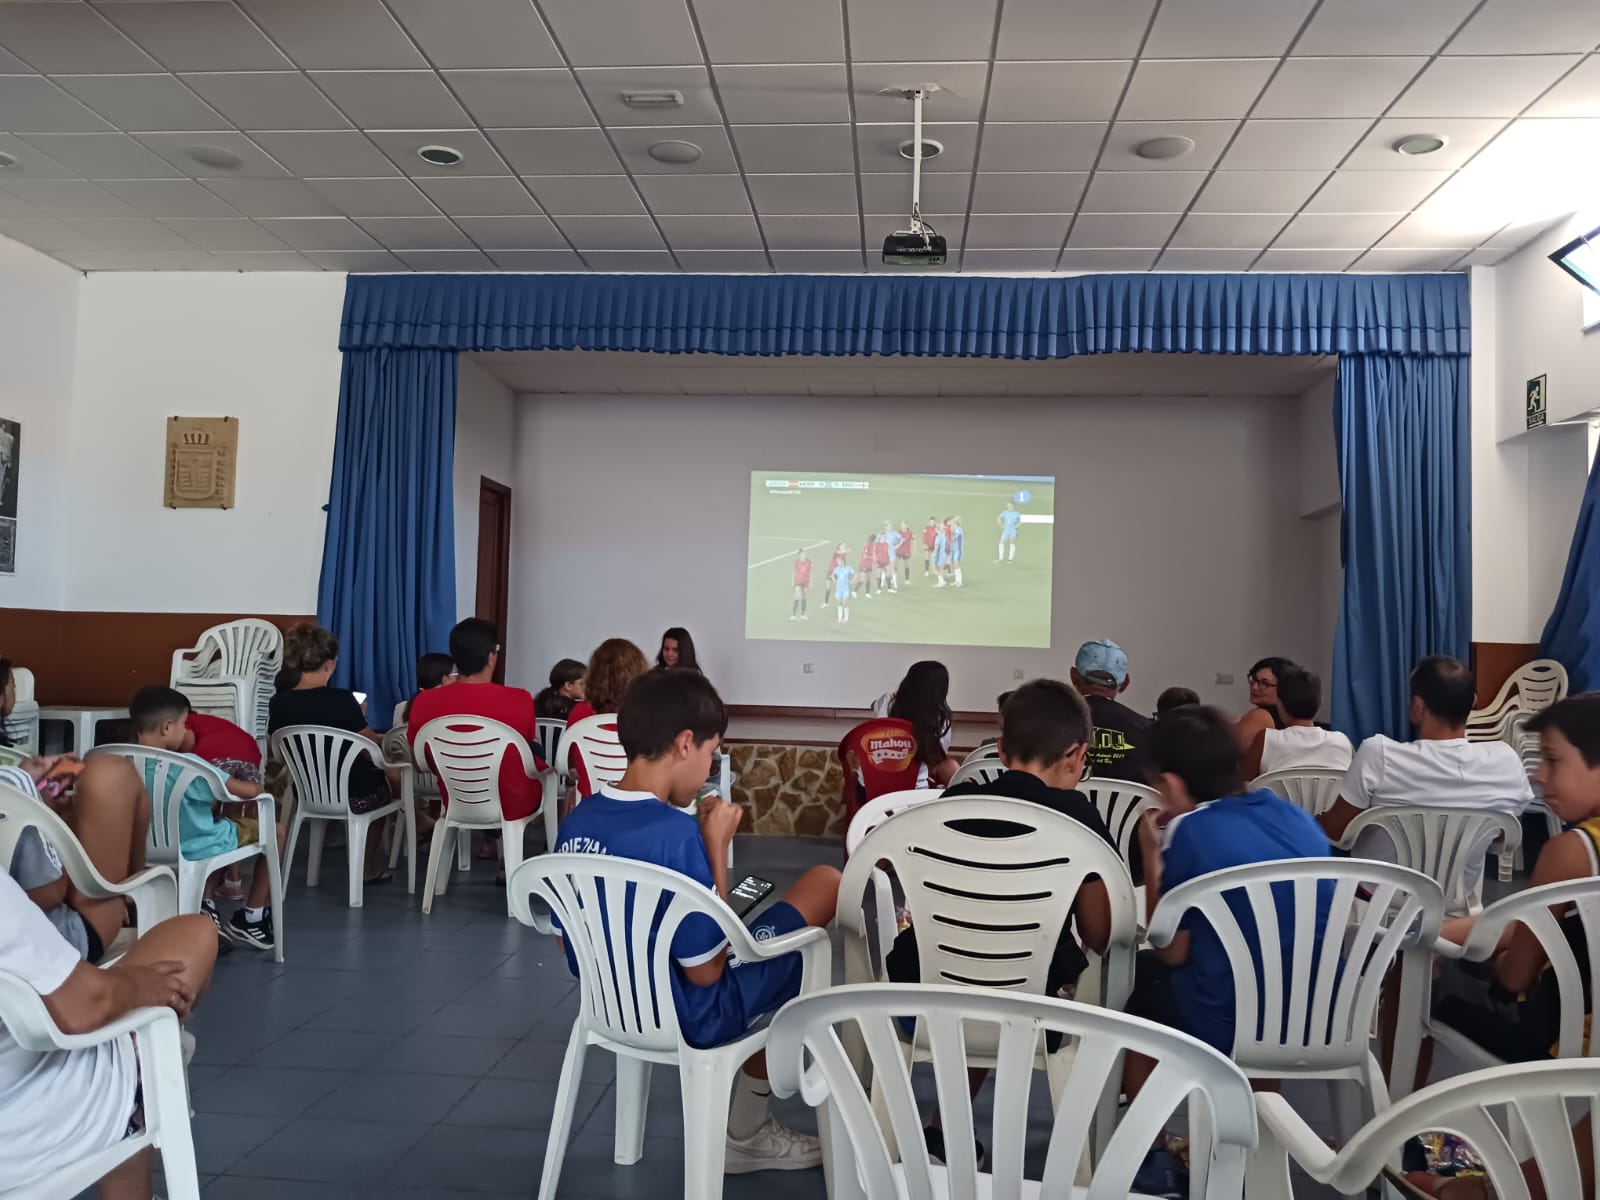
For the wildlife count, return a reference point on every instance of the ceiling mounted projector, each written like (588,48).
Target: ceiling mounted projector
(917,245)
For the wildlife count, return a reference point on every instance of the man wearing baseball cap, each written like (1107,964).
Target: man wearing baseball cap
(1100,673)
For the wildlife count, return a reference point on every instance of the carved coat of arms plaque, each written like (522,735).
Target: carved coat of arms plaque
(201,456)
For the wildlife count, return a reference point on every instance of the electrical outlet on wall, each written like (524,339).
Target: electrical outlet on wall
(1224,679)
(806,668)
(1017,673)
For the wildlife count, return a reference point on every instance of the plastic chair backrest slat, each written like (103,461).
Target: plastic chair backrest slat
(983,770)
(167,775)
(1309,788)
(466,753)
(598,747)
(1442,843)
(319,760)
(1120,803)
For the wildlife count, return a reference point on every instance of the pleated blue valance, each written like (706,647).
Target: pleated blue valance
(923,315)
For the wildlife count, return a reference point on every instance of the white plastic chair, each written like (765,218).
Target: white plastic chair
(868,817)
(979,754)
(1310,788)
(980,770)
(625,1000)
(1533,686)
(22,726)
(1120,803)
(594,740)
(1444,844)
(805,1054)
(153,890)
(230,672)
(466,753)
(417,783)
(547,733)
(166,1094)
(1537,1096)
(167,776)
(319,760)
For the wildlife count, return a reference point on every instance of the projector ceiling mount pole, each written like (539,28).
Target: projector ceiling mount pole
(917,97)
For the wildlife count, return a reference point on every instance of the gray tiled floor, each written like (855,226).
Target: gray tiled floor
(397,1055)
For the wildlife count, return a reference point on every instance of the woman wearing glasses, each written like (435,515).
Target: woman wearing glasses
(1263,713)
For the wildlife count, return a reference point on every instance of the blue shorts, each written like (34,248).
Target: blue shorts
(1008,535)
(841,591)
(761,987)
(955,555)
(940,557)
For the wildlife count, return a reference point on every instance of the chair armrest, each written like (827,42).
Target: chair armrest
(812,944)
(266,813)
(1297,1139)
(1445,948)
(154,892)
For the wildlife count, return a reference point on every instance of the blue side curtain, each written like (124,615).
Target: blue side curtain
(1570,636)
(388,559)
(1404,476)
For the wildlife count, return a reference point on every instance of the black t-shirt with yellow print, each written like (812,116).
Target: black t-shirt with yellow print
(1117,744)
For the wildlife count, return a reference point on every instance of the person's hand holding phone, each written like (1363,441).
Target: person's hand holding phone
(719,820)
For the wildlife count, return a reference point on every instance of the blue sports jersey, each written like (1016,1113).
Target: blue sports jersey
(842,574)
(894,540)
(939,543)
(1010,519)
(955,543)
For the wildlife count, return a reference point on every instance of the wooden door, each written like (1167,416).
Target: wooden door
(494,560)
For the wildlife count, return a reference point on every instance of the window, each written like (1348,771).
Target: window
(1580,258)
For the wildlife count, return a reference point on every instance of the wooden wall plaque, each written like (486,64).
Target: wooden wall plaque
(201,457)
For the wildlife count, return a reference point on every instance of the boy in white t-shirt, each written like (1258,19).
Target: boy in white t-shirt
(1441,769)
(57,1107)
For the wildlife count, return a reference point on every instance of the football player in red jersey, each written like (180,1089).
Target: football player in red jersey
(802,583)
(869,560)
(836,560)
(883,559)
(902,552)
(930,534)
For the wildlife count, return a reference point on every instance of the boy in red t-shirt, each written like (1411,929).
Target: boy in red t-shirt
(802,583)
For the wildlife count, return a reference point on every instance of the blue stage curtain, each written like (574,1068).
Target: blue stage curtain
(388,559)
(1569,635)
(1404,476)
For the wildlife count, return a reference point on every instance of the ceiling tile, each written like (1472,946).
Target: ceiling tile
(1334,231)
(132,233)
(367,261)
(1484,256)
(1016,232)
(1481,87)
(1214,28)
(1208,89)
(30,104)
(1336,87)
(374,197)
(226,234)
(271,197)
(470,196)
(556,151)
(1034,29)
(623,33)
(960,97)
(478,157)
(537,260)
(1056,91)
(1258,191)
(1305,260)
(800,195)
(392,99)
(591,195)
(1122,229)
(1229,231)
(694,195)
(1518,235)
(1141,191)
(1063,146)
(610,233)
(1009,261)
(185,36)
(1408,260)
(716,152)
(817,262)
(920,30)
(416,233)
(1530,27)
(1435,226)
(805,149)
(711,233)
(142,102)
(630,260)
(1078,260)
(259,260)
(47,233)
(145,260)
(178,148)
(1029,191)
(477,33)
(605,86)
(742,262)
(812,233)
(68,198)
(1375,191)
(1209,138)
(266,100)
(798,94)
(514,233)
(168,197)
(879,148)
(1183,259)
(335,35)
(31,163)
(335,154)
(891,192)
(547,99)
(1382,26)
(772,31)
(447,260)
(102,155)
(69,37)
(1466,136)
(1293,145)
(1578,95)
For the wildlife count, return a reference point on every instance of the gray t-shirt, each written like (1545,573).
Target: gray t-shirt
(35,864)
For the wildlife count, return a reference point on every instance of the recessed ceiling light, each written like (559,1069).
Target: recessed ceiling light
(1164,147)
(661,99)
(218,157)
(1420,143)
(676,152)
(7,161)
(439,156)
(930,149)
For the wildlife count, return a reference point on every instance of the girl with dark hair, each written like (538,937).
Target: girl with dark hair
(565,690)
(1263,712)
(923,699)
(677,650)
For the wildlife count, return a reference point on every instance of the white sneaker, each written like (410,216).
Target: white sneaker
(773,1147)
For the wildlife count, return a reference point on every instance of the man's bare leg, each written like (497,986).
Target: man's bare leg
(110,814)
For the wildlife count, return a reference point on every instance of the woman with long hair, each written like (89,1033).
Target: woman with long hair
(615,664)
(677,650)
(923,698)
(565,690)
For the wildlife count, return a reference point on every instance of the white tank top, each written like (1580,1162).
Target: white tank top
(1304,746)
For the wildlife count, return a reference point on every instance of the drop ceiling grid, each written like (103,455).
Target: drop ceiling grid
(96,82)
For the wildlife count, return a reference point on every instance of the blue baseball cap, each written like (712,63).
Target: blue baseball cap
(1102,662)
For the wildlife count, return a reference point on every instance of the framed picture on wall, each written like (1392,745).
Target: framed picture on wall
(10,458)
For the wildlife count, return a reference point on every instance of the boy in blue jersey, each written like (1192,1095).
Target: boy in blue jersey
(955,550)
(670,725)
(1009,521)
(941,553)
(843,572)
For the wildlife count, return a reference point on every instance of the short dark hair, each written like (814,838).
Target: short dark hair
(1299,692)
(1577,718)
(1042,721)
(153,706)
(1175,697)
(1446,687)
(471,643)
(659,705)
(999,701)
(1201,747)
(432,670)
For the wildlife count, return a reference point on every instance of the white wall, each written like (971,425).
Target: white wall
(485,446)
(38,335)
(631,515)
